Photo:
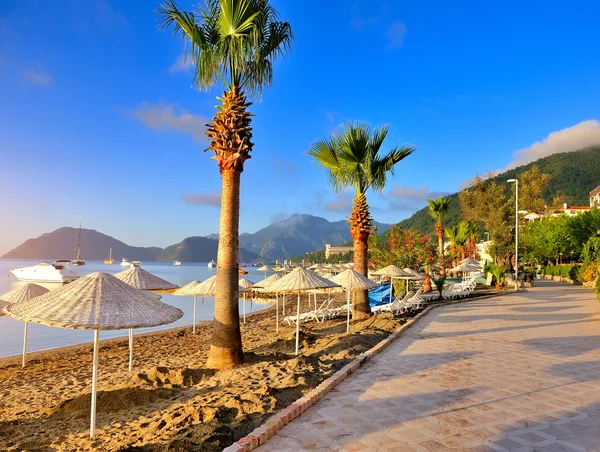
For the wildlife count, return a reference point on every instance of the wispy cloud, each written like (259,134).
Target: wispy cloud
(168,117)
(200,199)
(282,165)
(579,136)
(413,194)
(395,34)
(36,77)
(343,203)
(181,64)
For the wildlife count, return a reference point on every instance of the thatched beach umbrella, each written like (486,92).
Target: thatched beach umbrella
(466,268)
(191,289)
(264,268)
(263,286)
(392,271)
(97,301)
(246,284)
(300,280)
(351,279)
(208,288)
(415,273)
(19,295)
(140,279)
(468,260)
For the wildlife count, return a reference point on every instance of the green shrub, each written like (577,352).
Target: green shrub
(597,288)
(566,271)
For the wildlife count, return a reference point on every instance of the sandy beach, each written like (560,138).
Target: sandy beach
(170,401)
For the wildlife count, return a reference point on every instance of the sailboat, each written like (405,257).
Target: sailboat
(110,260)
(78,261)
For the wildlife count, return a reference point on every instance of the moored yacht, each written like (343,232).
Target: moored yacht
(125,262)
(58,271)
(211,264)
(177,262)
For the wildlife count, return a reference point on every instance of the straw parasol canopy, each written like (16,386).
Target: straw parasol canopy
(264,268)
(392,271)
(466,268)
(265,283)
(141,279)
(468,260)
(415,273)
(351,279)
(20,295)
(298,280)
(245,283)
(97,301)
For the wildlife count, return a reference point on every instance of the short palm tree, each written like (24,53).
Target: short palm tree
(457,238)
(231,43)
(438,209)
(352,159)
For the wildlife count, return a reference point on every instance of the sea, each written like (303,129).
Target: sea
(42,337)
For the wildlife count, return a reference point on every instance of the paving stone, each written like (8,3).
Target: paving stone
(514,373)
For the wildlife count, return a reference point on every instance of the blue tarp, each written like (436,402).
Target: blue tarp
(379,295)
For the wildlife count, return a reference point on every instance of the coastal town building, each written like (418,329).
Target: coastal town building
(595,198)
(330,250)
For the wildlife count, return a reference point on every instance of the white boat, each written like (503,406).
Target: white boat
(211,264)
(125,262)
(58,271)
(136,263)
(177,262)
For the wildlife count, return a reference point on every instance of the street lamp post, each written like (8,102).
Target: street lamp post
(516,181)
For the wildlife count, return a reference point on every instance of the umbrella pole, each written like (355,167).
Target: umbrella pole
(348,309)
(298,324)
(391,287)
(24,343)
(130,349)
(277,312)
(194,327)
(315,295)
(283,307)
(244,295)
(94,383)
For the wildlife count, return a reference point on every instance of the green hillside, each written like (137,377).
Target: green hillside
(573,175)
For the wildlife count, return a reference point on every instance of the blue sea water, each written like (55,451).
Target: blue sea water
(41,337)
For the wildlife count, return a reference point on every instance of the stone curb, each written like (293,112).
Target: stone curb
(280,419)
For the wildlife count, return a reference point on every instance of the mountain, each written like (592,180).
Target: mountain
(297,235)
(573,175)
(199,249)
(60,244)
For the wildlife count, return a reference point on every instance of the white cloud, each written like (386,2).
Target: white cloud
(37,77)
(395,35)
(181,64)
(165,117)
(343,203)
(579,136)
(200,199)
(415,194)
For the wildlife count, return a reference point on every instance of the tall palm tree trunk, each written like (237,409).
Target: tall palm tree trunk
(439,228)
(231,134)
(360,229)
(226,347)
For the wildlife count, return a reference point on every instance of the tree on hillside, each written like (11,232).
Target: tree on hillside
(232,43)
(352,159)
(487,202)
(438,210)
(531,185)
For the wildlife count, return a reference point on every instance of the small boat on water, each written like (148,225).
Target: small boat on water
(125,262)
(212,264)
(241,271)
(136,264)
(78,261)
(59,271)
(110,260)
(177,262)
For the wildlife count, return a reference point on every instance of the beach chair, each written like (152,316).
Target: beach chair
(320,314)
(398,306)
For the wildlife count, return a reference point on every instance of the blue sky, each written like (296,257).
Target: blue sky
(98,117)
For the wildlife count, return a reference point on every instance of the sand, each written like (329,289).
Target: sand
(170,402)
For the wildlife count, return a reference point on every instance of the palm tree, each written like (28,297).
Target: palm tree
(457,238)
(438,209)
(231,43)
(351,159)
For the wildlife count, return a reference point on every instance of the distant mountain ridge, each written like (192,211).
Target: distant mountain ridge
(573,175)
(296,235)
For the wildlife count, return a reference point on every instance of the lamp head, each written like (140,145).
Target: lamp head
(511,180)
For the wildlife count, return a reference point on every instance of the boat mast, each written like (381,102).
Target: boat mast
(79,241)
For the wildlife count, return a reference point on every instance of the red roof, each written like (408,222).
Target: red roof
(578,208)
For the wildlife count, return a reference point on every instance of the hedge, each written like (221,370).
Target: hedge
(566,271)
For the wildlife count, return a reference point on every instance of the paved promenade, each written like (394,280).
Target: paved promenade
(513,373)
